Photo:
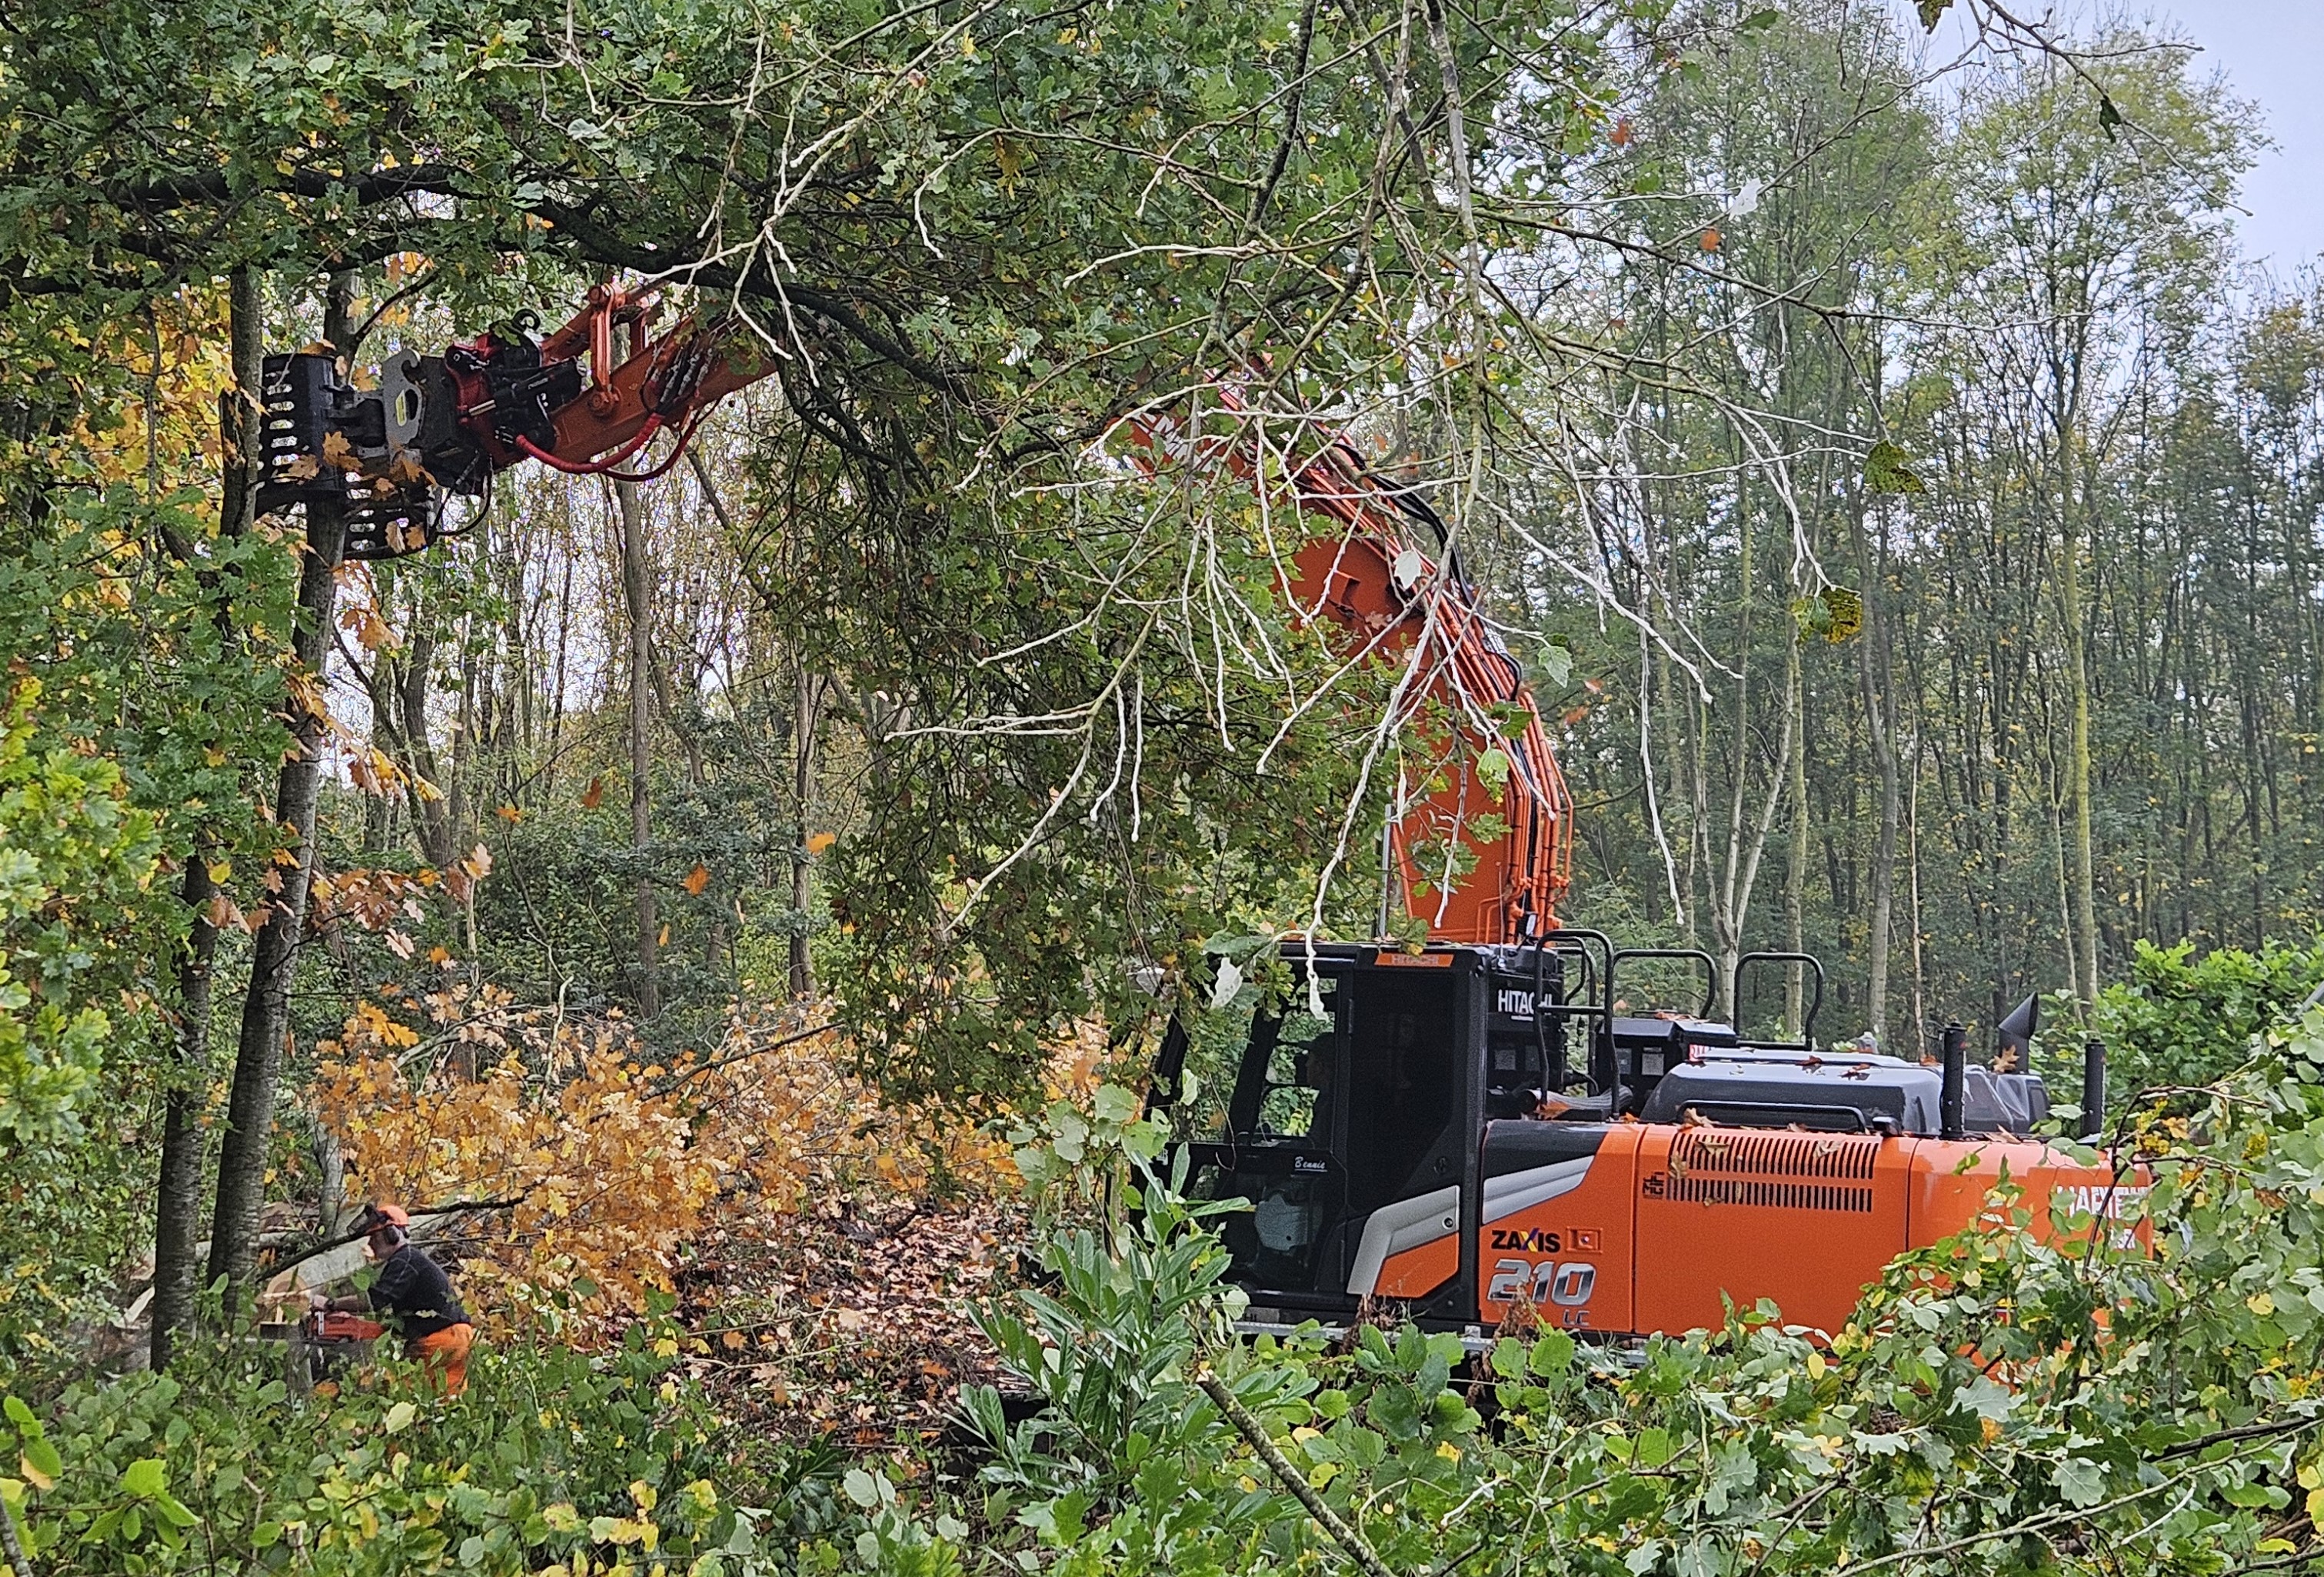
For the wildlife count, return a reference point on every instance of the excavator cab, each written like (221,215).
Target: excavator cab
(1348,1129)
(1466,1128)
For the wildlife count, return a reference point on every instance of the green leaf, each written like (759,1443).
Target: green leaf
(1759,21)
(2080,1481)
(265,1536)
(2109,117)
(144,1477)
(1557,661)
(18,1413)
(1493,770)
(860,1487)
(1932,9)
(1552,1354)
(1885,471)
(399,1418)
(1654,1447)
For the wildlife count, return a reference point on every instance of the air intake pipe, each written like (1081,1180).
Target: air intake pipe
(1953,1053)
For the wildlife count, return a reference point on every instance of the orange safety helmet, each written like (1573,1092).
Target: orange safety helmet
(376,1216)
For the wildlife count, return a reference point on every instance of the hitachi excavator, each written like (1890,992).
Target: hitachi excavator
(1476,1126)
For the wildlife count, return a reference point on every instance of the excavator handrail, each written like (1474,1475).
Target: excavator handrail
(1806,1043)
(1693,954)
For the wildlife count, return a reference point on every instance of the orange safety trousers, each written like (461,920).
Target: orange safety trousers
(443,1356)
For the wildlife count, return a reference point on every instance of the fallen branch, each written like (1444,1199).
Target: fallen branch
(1329,1520)
(464,1206)
(667,1085)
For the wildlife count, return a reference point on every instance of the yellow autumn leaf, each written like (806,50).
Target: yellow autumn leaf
(816,842)
(696,879)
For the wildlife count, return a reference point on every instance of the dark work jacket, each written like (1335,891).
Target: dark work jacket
(412,1297)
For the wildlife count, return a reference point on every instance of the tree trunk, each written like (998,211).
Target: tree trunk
(266,1004)
(1873,678)
(2084,943)
(178,1188)
(803,730)
(1795,867)
(636,590)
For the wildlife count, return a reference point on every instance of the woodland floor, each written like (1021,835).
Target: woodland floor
(849,1319)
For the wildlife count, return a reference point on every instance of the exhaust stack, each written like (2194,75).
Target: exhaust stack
(1954,1054)
(2093,1090)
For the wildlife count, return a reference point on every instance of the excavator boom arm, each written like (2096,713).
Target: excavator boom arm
(1482,833)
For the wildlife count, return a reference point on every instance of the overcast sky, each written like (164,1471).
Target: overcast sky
(2273,51)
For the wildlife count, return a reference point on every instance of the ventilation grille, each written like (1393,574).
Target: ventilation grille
(1727,1152)
(1687,1188)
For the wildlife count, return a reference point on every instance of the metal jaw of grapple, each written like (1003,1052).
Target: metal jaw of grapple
(322,438)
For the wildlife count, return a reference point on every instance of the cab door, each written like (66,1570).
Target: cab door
(1278,1146)
(1353,1134)
(1413,1117)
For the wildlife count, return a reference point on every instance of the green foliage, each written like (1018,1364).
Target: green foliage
(2002,1405)
(76,862)
(132,717)
(980,239)
(2184,1020)
(1886,470)
(550,1455)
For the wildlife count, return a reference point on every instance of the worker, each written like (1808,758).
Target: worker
(412,1296)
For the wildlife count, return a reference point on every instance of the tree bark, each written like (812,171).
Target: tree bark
(803,711)
(1796,866)
(1879,699)
(266,1004)
(178,1188)
(2085,942)
(638,597)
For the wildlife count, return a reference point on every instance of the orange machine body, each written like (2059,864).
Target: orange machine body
(1406,1129)
(1665,1227)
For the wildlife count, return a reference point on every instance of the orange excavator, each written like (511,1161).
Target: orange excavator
(1477,1127)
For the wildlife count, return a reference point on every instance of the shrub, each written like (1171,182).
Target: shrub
(554,1458)
(2185,1020)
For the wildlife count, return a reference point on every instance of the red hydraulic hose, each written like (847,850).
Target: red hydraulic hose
(595,467)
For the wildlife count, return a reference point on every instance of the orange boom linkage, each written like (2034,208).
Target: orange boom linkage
(1483,1130)
(1406,603)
